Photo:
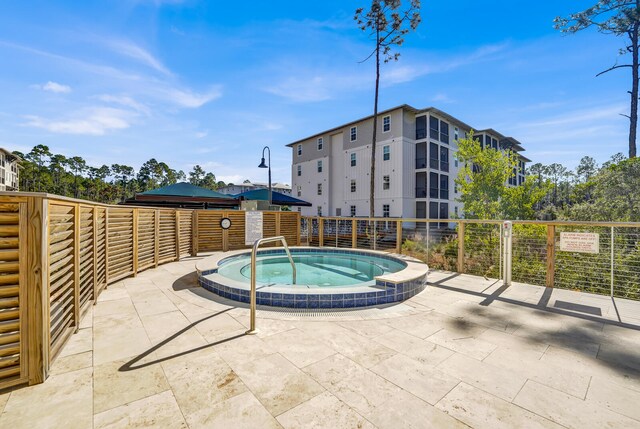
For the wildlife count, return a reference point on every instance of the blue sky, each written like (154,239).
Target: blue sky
(210,83)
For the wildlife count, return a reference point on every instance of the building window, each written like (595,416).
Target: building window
(421,127)
(299,150)
(353,185)
(353,159)
(354,133)
(444,210)
(320,143)
(455,188)
(433,156)
(455,160)
(319,210)
(444,187)
(386,153)
(421,210)
(299,190)
(456,134)
(479,139)
(444,158)
(421,155)
(299,170)
(385,210)
(352,210)
(444,132)
(299,209)
(386,124)
(421,185)
(320,166)
(433,185)
(434,131)
(319,188)
(338,212)
(455,209)
(386,182)
(433,210)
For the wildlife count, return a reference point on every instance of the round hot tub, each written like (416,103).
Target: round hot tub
(326,277)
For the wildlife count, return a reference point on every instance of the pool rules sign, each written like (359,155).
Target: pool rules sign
(580,242)
(253,227)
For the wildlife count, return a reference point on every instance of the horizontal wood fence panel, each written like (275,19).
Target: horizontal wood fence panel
(236,234)
(186,233)
(167,236)
(146,238)
(100,249)
(62,281)
(120,243)
(86,256)
(12,296)
(209,230)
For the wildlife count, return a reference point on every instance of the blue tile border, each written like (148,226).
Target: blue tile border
(393,293)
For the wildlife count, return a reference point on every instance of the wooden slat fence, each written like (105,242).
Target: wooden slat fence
(57,254)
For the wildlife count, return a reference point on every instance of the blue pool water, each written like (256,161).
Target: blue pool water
(324,269)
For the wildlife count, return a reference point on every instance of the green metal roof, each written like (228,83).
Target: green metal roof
(184,189)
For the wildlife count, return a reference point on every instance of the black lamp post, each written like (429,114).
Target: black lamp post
(263,165)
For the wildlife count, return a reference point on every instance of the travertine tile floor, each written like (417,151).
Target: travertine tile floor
(157,351)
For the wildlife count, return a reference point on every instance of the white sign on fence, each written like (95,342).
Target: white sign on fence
(581,242)
(253,227)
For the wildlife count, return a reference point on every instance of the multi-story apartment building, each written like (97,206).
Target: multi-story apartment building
(232,189)
(416,165)
(9,172)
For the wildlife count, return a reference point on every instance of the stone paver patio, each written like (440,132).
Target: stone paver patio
(158,351)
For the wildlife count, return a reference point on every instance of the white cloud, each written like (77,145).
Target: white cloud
(125,100)
(202,134)
(94,121)
(50,86)
(441,98)
(187,98)
(136,52)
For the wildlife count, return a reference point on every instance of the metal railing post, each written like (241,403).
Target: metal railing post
(507,237)
(612,258)
(252,294)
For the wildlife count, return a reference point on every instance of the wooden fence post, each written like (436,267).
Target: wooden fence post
(299,222)
(354,233)
(194,233)
(320,232)
(106,247)
(461,247)
(156,240)
(94,216)
(38,297)
(135,242)
(399,236)
(177,235)
(76,266)
(551,255)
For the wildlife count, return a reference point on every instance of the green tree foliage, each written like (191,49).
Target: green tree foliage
(483,179)
(42,171)
(386,24)
(620,18)
(615,195)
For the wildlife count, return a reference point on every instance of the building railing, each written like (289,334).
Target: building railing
(474,247)
(57,255)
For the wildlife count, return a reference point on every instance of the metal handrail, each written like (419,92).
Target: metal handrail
(254,253)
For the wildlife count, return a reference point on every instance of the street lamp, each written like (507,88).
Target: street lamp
(263,165)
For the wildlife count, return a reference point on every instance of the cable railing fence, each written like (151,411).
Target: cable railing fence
(595,257)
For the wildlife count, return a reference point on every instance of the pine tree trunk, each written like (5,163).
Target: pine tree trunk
(372,192)
(633,115)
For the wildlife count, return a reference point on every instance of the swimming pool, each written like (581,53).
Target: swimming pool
(326,277)
(326,269)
